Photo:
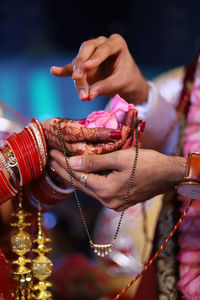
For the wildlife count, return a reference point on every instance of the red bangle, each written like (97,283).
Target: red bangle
(29,150)
(34,160)
(10,187)
(37,157)
(30,153)
(6,191)
(45,190)
(25,151)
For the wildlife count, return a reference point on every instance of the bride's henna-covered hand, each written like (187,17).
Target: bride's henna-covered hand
(97,148)
(131,141)
(73,132)
(79,139)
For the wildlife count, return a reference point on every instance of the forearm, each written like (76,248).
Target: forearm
(22,159)
(156,173)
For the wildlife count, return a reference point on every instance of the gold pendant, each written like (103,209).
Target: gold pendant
(102,249)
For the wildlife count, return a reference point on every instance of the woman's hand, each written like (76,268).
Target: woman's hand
(104,66)
(155,174)
(79,139)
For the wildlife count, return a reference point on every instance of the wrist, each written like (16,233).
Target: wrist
(136,90)
(142,92)
(174,173)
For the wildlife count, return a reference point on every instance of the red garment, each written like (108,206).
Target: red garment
(147,288)
(6,286)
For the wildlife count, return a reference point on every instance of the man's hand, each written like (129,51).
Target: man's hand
(155,174)
(104,66)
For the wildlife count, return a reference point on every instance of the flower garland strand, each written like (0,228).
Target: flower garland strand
(188,256)
(156,254)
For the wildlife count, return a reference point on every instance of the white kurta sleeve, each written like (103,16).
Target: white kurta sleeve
(159,113)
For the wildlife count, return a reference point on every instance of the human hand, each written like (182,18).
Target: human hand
(104,66)
(156,173)
(79,139)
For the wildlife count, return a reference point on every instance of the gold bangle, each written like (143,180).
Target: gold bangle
(38,137)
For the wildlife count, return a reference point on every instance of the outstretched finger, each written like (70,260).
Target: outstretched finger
(62,71)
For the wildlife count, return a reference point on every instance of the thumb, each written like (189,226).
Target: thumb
(94,163)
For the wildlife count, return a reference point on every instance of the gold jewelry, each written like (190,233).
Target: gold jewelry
(99,249)
(38,150)
(41,265)
(21,244)
(8,168)
(83,179)
(52,169)
(38,137)
(40,143)
(12,162)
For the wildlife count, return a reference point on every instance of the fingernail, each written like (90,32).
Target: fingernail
(116,135)
(75,162)
(94,94)
(52,69)
(82,95)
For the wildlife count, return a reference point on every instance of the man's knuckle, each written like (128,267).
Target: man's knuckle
(89,162)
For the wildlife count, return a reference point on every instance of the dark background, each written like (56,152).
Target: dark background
(34,35)
(159,33)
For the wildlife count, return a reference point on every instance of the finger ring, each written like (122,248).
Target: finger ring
(52,169)
(83,179)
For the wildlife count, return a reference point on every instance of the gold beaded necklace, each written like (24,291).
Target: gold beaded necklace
(99,249)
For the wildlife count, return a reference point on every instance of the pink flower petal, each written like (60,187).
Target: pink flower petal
(119,106)
(101,118)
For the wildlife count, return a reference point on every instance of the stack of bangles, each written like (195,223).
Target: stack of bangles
(22,159)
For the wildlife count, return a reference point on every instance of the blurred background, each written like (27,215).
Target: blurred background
(36,34)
